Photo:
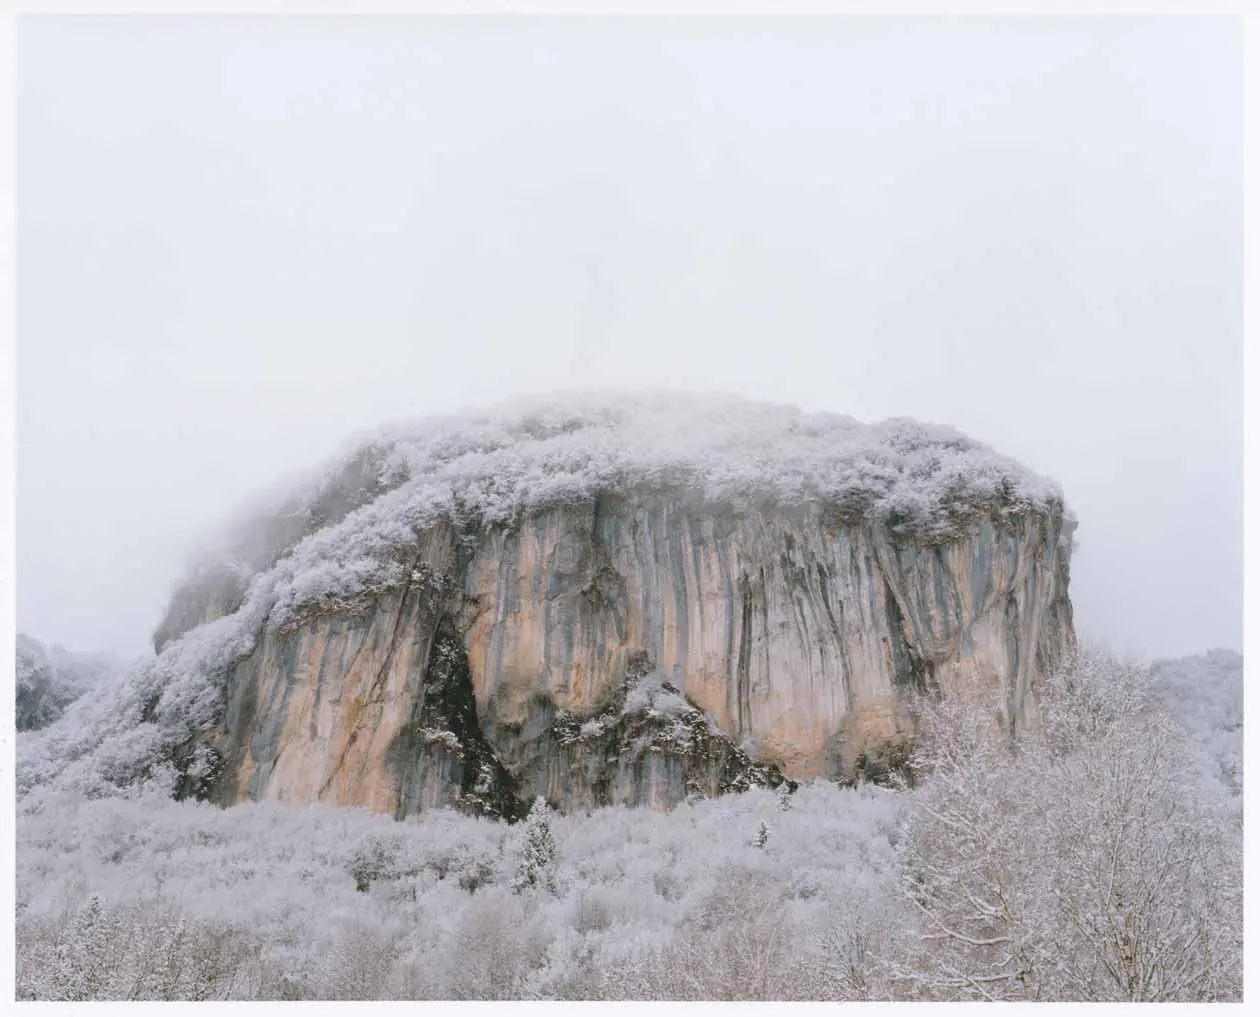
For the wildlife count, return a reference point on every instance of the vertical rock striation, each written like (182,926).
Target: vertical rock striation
(799,637)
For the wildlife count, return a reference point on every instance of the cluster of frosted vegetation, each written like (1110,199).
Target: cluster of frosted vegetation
(1097,862)
(1206,692)
(654,696)
(124,734)
(318,903)
(48,679)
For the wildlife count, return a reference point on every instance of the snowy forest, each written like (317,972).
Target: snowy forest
(1099,859)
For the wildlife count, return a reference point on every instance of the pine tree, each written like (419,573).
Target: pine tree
(763,835)
(538,850)
(81,965)
(785,797)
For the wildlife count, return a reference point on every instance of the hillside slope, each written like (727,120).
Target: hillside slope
(50,679)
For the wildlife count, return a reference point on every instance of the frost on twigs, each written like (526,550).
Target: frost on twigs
(1002,885)
(1206,693)
(1083,862)
(654,695)
(49,679)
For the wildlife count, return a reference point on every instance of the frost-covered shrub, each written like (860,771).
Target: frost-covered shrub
(856,894)
(1205,693)
(784,795)
(536,866)
(140,950)
(373,859)
(265,896)
(653,695)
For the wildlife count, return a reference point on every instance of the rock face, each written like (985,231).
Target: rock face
(390,708)
(632,646)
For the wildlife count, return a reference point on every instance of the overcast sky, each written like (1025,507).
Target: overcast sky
(242,240)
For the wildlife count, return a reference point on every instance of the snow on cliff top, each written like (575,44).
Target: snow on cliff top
(527,454)
(334,536)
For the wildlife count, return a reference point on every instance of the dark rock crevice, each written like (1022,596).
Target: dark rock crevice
(1011,622)
(441,756)
(743,682)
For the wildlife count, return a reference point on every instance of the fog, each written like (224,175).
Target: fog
(242,240)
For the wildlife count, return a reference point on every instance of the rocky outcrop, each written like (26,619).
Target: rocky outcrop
(791,629)
(215,592)
(217,585)
(494,656)
(797,635)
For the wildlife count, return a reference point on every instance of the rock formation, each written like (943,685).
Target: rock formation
(617,601)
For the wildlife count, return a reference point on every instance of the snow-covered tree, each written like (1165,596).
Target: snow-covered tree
(1205,693)
(536,866)
(372,859)
(1082,864)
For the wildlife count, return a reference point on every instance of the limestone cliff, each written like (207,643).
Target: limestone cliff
(483,656)
(609,599)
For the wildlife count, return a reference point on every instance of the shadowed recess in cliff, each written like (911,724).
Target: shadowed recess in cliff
(440,756)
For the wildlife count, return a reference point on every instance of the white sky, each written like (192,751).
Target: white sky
(240,240)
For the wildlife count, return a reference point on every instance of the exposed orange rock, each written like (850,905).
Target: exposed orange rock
(801,637)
